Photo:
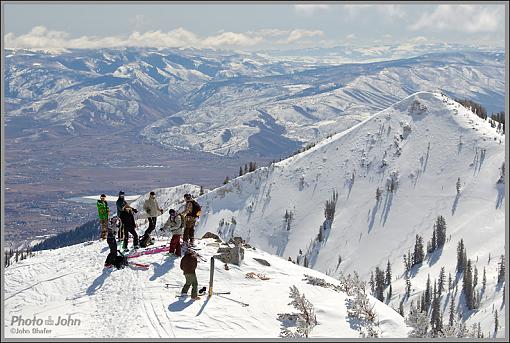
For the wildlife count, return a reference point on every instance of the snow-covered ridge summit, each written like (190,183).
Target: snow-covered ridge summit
(414,152)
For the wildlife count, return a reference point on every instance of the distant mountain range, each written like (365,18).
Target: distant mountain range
(229,102)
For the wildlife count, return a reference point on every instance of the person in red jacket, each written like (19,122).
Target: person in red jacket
(188,266)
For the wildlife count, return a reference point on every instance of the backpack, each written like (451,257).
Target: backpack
(196,210)
(120,261)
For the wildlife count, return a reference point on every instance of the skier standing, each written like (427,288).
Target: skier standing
(175,223)
(191,213)
(188,266)
(153,210)
(125,213)
(103,212)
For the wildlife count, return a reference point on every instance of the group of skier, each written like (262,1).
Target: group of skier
(179,224)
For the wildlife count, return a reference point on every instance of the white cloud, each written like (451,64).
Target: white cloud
(296,35)
(309,9)
(41,37)
(463,18)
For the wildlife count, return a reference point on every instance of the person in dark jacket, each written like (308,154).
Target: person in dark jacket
(188,266)
(191,214)
(104,213)
(112,244)
(125,213)
(121,202)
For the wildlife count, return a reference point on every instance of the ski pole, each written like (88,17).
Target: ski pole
(237,301)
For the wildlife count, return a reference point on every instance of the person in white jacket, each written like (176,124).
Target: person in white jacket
(153,210)
(175,224)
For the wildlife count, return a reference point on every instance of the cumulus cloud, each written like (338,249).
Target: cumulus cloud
(41,37)
(309,9)
(463,18)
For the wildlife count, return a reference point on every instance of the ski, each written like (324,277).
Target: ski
(184,296)
(141,265)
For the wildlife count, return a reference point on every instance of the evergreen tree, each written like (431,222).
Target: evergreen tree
(436,325)
(460,256)
(423,303)
(496,321)
(409,259)
(475,278)
(379,284)
(418,321)
(441,281)
(401,309)
(201,190)
(408,287)
(245,168)
(418,251)
(458,185)
(501,271)
(428,295)
(388,274)
(433,243)
(440,228)
(240,171)
(378,193)
(390,293)
(467,286)
(449,281)
(452,311)
(372,283)
(484,279)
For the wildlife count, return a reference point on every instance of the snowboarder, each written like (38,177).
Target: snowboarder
(188,266)
(153,210)
(104,213)
(191,213)
(175,223)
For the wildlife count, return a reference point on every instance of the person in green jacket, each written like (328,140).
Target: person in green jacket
(104,213)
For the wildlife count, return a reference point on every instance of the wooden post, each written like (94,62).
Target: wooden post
(211,277)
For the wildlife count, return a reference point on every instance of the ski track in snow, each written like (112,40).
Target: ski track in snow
(125,303)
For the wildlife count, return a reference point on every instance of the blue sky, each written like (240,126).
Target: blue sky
(249,26)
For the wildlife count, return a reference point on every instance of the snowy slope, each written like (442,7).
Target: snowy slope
(365,234)
(70,282)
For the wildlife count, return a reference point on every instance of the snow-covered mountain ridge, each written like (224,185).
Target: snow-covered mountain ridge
(424,143)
